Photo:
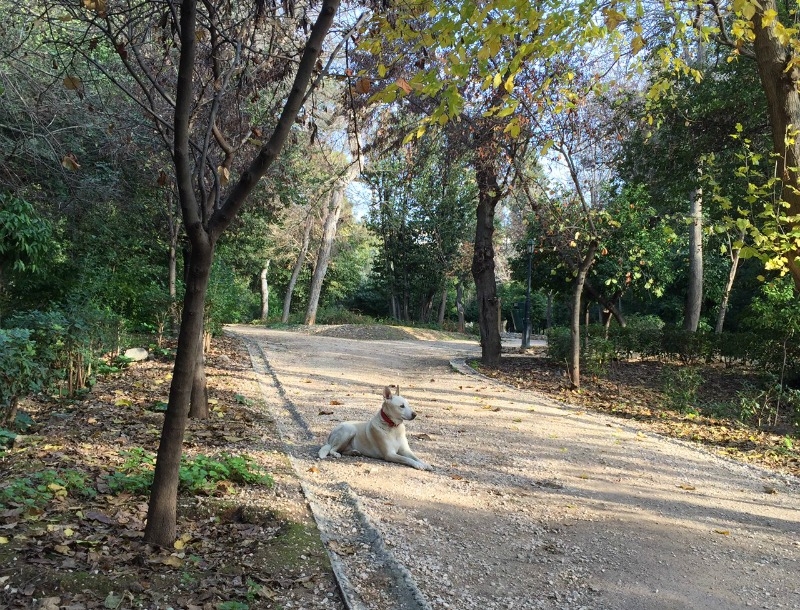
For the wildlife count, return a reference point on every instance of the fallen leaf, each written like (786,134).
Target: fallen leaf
(313,469)
(687,487)
(723,532)
(770,490)
(325,412)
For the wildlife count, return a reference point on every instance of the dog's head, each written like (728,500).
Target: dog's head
(395,406)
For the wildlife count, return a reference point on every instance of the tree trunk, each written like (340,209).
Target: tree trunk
(162,509)
(783,108)
(460,306)
(442,307)
(298,267)
(324,252)
(723,306)
(264,293)
(575,320)
(483,270)
(694,294)
(198,408)
(203,232)
(549,310)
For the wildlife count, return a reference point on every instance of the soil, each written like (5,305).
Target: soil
(533,502)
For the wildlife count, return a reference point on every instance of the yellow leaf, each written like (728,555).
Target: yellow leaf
(497,80)
(179,544)
(768,17)
(3,540)
(612,18)
(637,44)
(172,560)
(381,70)
(509,84)
(723,532)
(69,532)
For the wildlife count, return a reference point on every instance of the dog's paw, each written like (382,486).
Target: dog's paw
(423,466)
(335,454)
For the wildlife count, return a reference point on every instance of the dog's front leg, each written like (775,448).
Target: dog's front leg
(414,462)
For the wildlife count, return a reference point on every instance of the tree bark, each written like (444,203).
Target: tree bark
(783,108)
(460,306)
(694,294)
(198,408)
(264,293)
(723,306)
(442,307)
(575,320)
(298,267)
(483,270)
(324,252)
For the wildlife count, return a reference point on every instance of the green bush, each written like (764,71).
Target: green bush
(559,344)
(21,371)
(340,315)
(687,346)
(680,386)
(70,340)
(229,299)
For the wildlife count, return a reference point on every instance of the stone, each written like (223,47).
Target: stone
(137,354)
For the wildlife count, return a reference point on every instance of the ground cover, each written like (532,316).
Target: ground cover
(70,539)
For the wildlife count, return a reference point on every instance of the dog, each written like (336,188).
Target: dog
(383,437)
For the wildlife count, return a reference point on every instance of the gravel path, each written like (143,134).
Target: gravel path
(531,504)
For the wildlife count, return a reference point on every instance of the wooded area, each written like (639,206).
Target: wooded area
(169,167)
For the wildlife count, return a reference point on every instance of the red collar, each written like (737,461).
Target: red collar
(387,419)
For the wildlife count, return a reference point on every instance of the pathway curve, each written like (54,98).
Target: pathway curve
(531,503)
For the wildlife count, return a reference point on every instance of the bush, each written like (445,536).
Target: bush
(680,387)
(559,344)
(21,371)
(340,315)
(687,346)
(69,341)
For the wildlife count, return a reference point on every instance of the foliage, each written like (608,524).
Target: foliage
(200,474)
(26,239)
(680,386)
(21,371)
(559,344)
(39,488)
(69,341)
(229,298)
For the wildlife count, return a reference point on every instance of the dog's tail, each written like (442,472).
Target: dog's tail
(324,451)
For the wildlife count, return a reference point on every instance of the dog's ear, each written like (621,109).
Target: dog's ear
(387,393)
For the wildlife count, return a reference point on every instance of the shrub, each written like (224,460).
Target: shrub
(680,387)
(21,371)
(70,340)
(687,346)
(559,344)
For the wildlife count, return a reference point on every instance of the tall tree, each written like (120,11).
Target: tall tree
(221,61)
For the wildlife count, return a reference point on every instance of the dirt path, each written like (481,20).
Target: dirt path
(531,504)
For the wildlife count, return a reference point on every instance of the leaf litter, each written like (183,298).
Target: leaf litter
(79,546)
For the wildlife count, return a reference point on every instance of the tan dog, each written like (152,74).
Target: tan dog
(383,437)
